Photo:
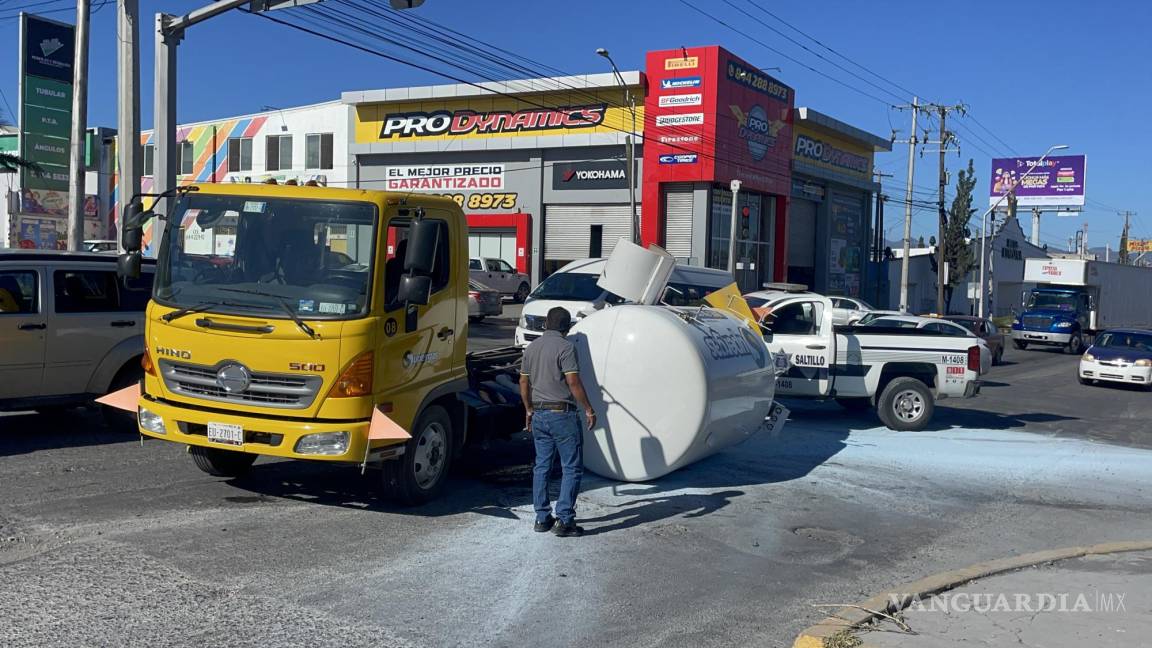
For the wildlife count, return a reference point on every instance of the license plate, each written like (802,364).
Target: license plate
(226,433)
(777,418)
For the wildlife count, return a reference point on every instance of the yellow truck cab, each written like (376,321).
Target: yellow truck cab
(284,318)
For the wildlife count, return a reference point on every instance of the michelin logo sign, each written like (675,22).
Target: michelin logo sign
(680,82)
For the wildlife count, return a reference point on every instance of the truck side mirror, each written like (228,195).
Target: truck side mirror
(423,240)
(415,289)
(128,265)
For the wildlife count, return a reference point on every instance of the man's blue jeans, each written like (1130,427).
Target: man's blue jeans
(557,432)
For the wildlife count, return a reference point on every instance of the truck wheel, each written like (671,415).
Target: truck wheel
(419,474)
(854,404)
(221,463)
(521,293)
(119,420)
(906,405)
(1075,345)
(1020,344)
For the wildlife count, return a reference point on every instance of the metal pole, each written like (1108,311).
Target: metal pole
(76,188)
(941,241)
(127,105)
(735,186)
(164,124)
(908,210)
(1036,225)
(632,170)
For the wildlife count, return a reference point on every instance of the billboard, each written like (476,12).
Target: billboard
(1138,245)
(715,118)
(46,53)
(1057,182)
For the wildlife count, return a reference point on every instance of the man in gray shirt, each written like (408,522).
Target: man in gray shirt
(551,390)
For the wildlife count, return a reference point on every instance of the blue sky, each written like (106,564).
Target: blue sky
(1034,74)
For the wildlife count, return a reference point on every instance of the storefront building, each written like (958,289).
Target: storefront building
(829,215)
(539,166)
(711,119)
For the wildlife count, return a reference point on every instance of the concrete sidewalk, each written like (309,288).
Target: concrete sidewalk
(1101,601)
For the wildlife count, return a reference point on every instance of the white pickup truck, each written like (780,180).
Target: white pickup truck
(902,372)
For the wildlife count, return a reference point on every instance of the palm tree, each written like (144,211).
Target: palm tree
(11,163)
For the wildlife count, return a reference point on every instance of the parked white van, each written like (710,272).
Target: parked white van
(70,328)
(574,288)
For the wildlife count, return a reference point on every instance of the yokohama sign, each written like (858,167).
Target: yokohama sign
(469,122)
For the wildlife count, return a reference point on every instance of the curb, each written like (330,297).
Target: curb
(854,617)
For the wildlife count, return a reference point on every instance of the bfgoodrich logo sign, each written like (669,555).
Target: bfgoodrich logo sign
(607,174)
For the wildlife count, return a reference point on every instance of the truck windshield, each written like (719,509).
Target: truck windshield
(573,286)
(310,257)
(1054,300)
(1117,340)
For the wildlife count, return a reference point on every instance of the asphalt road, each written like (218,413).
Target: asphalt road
(104,541)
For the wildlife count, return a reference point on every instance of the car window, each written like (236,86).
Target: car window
(891,323)
(839,303)
(85,291)
(18,292)
(504,267)
(475,264)
(493,266)
(793,319)
(946,329)
(135,293)
(679,294)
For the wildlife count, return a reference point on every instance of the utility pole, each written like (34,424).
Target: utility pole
(1036,226)
(79,129)
(915,107)
(878,237)
(942,242)
(735,186)
(1124,240)
(128,153)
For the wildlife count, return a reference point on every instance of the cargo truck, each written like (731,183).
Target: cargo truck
(1073,299)
(331,324)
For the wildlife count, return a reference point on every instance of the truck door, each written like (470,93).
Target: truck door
(802,331)
(499,277)
(23,327)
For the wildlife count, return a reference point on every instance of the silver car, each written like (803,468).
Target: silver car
(483,301)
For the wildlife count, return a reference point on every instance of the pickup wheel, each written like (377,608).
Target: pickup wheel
(419,474)
(521,293)
(221,463)
(906,405)
(1020,344)
(854,404)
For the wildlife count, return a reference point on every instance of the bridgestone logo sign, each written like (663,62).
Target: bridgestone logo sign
(686,119)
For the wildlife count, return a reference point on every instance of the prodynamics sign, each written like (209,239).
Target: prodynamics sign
(463,123)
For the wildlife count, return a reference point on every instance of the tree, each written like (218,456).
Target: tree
(959,255)
(11,163)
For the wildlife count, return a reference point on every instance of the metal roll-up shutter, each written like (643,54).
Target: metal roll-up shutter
(568,228)
(678,205)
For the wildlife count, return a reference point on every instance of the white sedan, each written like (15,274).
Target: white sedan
(943,327)
(847,310)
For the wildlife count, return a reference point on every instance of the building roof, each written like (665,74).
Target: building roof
(513,87)
(847,131)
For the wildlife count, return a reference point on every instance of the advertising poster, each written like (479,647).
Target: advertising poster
(41,233)
(845,248)
(1057,181)
(46,106)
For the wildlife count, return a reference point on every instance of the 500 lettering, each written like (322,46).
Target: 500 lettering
(484,200)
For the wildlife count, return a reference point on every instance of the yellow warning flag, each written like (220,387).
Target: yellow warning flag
(729,299)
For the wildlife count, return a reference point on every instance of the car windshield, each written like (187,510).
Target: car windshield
(311,257)
(1053,300)
(1117,340)
(573,286)
(891,323)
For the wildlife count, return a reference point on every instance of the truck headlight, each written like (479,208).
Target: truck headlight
(323,443)
(151,421)
(1143,362)
(1063,324)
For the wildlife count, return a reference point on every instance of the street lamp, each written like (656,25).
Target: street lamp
(631,140)
(984,220)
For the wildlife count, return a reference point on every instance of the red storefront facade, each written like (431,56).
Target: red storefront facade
(711,118)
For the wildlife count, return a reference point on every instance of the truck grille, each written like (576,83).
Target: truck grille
(287,391)
(1042,322)
(534,322)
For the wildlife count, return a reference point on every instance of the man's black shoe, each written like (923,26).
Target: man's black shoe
(569,530)
(545,526)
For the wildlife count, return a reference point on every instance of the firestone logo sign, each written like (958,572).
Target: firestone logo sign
(757,130)
(470,122)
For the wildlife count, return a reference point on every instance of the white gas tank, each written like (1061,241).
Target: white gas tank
(670,386)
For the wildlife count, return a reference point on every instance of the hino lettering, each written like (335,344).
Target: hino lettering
(175,353)
(469,122)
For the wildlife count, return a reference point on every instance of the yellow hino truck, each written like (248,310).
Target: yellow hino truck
(313,323)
